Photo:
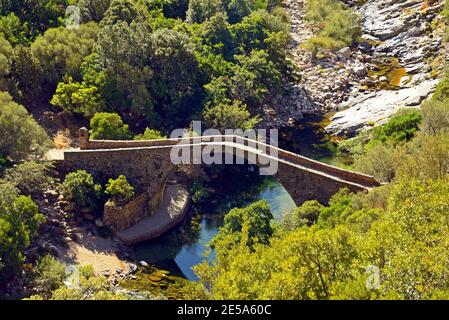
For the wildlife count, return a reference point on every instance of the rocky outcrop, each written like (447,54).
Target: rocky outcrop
(394,66)
(369,109)
(405,32)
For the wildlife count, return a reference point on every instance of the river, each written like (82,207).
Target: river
(234,186)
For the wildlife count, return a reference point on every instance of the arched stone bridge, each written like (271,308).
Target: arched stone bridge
(147,165)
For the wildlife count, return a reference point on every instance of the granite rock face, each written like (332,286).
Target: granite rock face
(402,36)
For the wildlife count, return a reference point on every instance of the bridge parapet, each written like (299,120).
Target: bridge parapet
(266,149)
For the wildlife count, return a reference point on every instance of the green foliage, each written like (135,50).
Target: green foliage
(229,116)
(336,25)
(120,190)
(88,287)
(150,134)
(401,127)
(80,188)
(39,14)
(442,91)
(305,215)
(201,10)
(379,161)
(61,51)
(256,219)
(108,126)
(31,178)
(5,62)
(78,97)
(21,134)
(93,10)
(19,223)
(435,116)
(14,30)
(49,275)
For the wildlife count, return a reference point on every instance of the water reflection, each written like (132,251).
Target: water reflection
(186,245)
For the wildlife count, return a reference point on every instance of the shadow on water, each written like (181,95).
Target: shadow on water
(309,138)
(185,246)
(235,186)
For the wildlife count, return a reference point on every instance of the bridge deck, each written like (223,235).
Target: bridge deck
(172,212)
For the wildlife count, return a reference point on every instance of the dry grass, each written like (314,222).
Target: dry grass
(62,139)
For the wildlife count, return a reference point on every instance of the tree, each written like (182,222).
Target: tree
(40,14)
(108,126)
(229,116)
(5,62)
(61,51)
(305,215)
(150,134)
(93,10)
(21,134)
(176,85)
(121,11)
(258,218)
(80,188)
(28,75)
(298,266)
(16,32)
(31,178)
(19,222)
(78,97)
(49,275)
(120,190)
(201,10)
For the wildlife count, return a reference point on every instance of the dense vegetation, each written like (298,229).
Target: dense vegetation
(135,69)
(390,243)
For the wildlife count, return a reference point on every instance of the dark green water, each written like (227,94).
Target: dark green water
(236,186)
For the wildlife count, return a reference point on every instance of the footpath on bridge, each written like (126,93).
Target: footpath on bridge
(174,208)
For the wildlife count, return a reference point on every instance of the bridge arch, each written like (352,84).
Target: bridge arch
(147,164)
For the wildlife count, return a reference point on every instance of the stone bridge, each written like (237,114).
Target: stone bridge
(147,164)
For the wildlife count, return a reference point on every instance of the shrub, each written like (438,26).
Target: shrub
(120,190)
(150,134)
(108,126)
(337,25)
(435,116)
(21,136)
(379,161)
(19,222)
(305,215)
(80,188)
(401,127)
(30,177)
(49,274)
(442,91)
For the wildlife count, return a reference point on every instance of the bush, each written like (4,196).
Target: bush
(150,134)
(401,127)
(30,177)
(305,215)
(21,136)
(80,188)
(435,116)
(442,91)
(251,225)
(49,274)
(379,161)
(337,25)
(120,190)
(108,126)
(19,222)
